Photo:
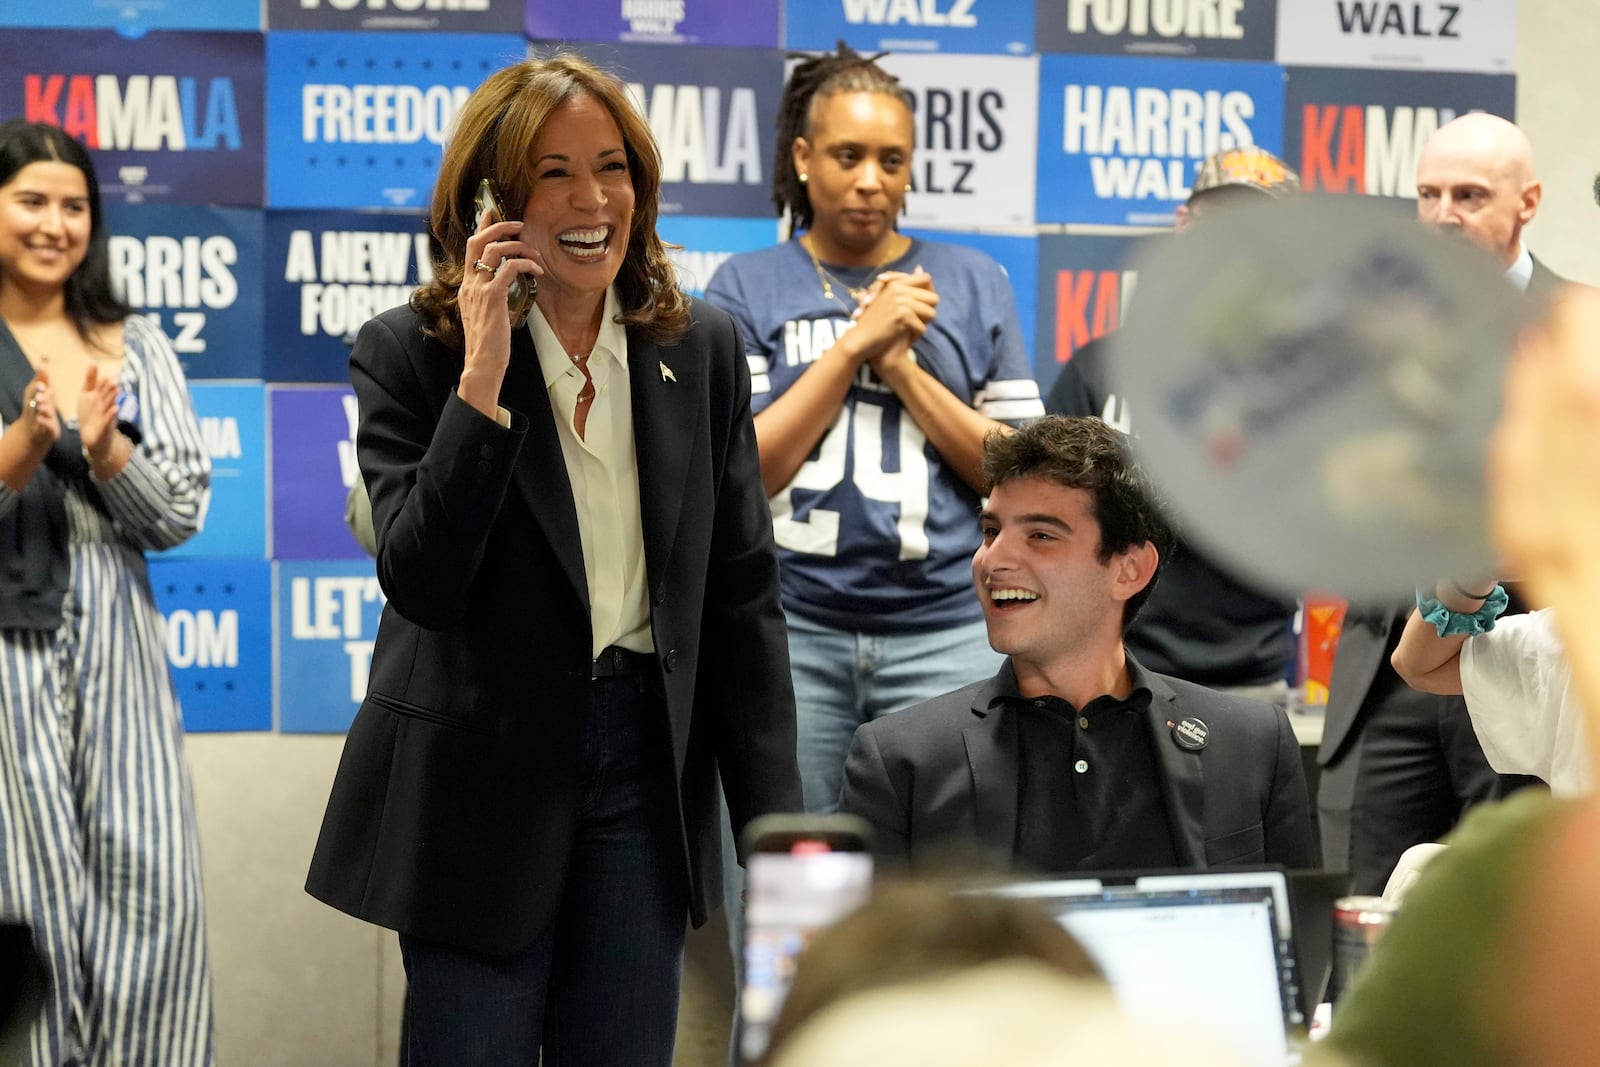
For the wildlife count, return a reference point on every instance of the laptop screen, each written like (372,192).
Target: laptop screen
(1212,951)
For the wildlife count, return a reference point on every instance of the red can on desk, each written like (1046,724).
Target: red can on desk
(1358,922)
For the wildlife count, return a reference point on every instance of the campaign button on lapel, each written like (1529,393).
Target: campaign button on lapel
(1191,734)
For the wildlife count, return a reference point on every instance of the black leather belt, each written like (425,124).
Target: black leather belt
(618,662)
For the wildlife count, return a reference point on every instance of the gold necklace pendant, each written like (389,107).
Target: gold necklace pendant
(827,278)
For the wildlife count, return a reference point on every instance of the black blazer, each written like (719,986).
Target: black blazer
(945,773)
(452,814)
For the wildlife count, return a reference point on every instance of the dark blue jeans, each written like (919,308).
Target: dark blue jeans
(599,988)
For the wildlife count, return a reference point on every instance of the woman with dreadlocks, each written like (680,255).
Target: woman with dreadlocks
(878,363)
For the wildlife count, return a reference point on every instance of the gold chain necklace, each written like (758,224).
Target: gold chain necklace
(828,279)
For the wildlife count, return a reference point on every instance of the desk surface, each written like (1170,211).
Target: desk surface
(1307,726)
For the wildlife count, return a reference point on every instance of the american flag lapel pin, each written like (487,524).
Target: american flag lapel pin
(666,373)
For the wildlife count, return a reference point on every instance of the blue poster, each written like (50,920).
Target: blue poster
(750,23)
(218,616)
(1120,139)
(233,421)
(313,468)
(1209,29)
(1019,257)
(133,19)
(1361,131)
(329,272)
(708,243)
(360,119)
(1085,283)
(196,271)
(173,116)
(327,621)
(711,112)
(430,16)
(964,26)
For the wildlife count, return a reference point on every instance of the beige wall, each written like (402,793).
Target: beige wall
(299,985)
(1557,93)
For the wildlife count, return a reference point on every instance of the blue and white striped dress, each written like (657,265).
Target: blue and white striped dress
(98,845)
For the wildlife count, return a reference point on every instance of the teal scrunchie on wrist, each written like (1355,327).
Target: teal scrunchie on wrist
(1449,622)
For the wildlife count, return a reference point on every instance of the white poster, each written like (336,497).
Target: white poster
(1466,35)
(977,119)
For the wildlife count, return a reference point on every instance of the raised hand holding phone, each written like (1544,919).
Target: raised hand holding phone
(495,296)
(523,287)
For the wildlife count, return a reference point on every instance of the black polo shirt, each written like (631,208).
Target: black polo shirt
(1089,792)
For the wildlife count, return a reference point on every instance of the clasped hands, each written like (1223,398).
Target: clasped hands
(893,313)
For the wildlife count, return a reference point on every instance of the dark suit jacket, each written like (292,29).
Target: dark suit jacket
(945,773)
(453,811)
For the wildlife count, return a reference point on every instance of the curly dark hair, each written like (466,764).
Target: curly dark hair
(91,301)
(493,138)
(1085,453)
(840,71)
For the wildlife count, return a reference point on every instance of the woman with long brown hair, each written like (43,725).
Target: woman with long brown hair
(582,626)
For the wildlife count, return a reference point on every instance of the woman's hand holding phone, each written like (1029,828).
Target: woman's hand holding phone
(497,292)
(521,286)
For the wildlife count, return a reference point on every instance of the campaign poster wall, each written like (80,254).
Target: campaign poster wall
(750,23)
(1185,29)
(1462,35)
(217,617)
(710,110)
(360,119)
(1019,258)
(327,273)
(327,621)
(172,116)
(451,16)
(233,422)
(710,242)
(977,121)
(961,26)
(1120,139)
(1360,131)
(313,468)
(196,272)
(1085,284)
(133,19)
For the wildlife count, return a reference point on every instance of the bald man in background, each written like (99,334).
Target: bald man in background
(1401,767)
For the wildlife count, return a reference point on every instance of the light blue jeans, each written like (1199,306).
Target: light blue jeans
(844,679)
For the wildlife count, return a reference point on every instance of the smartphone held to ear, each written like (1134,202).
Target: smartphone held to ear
(524,287)
(803,872)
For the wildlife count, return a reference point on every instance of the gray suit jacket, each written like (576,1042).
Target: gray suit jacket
(944,774)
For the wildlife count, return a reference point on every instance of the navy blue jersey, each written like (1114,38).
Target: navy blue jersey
(876,532)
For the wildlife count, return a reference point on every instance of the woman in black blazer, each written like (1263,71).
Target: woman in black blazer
(582,621)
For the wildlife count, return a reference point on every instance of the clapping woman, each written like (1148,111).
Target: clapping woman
(101,459)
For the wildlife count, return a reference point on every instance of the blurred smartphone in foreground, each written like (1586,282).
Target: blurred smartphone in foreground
(524,287)
(803,872)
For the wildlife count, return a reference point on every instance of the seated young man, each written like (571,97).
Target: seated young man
(1073,756)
